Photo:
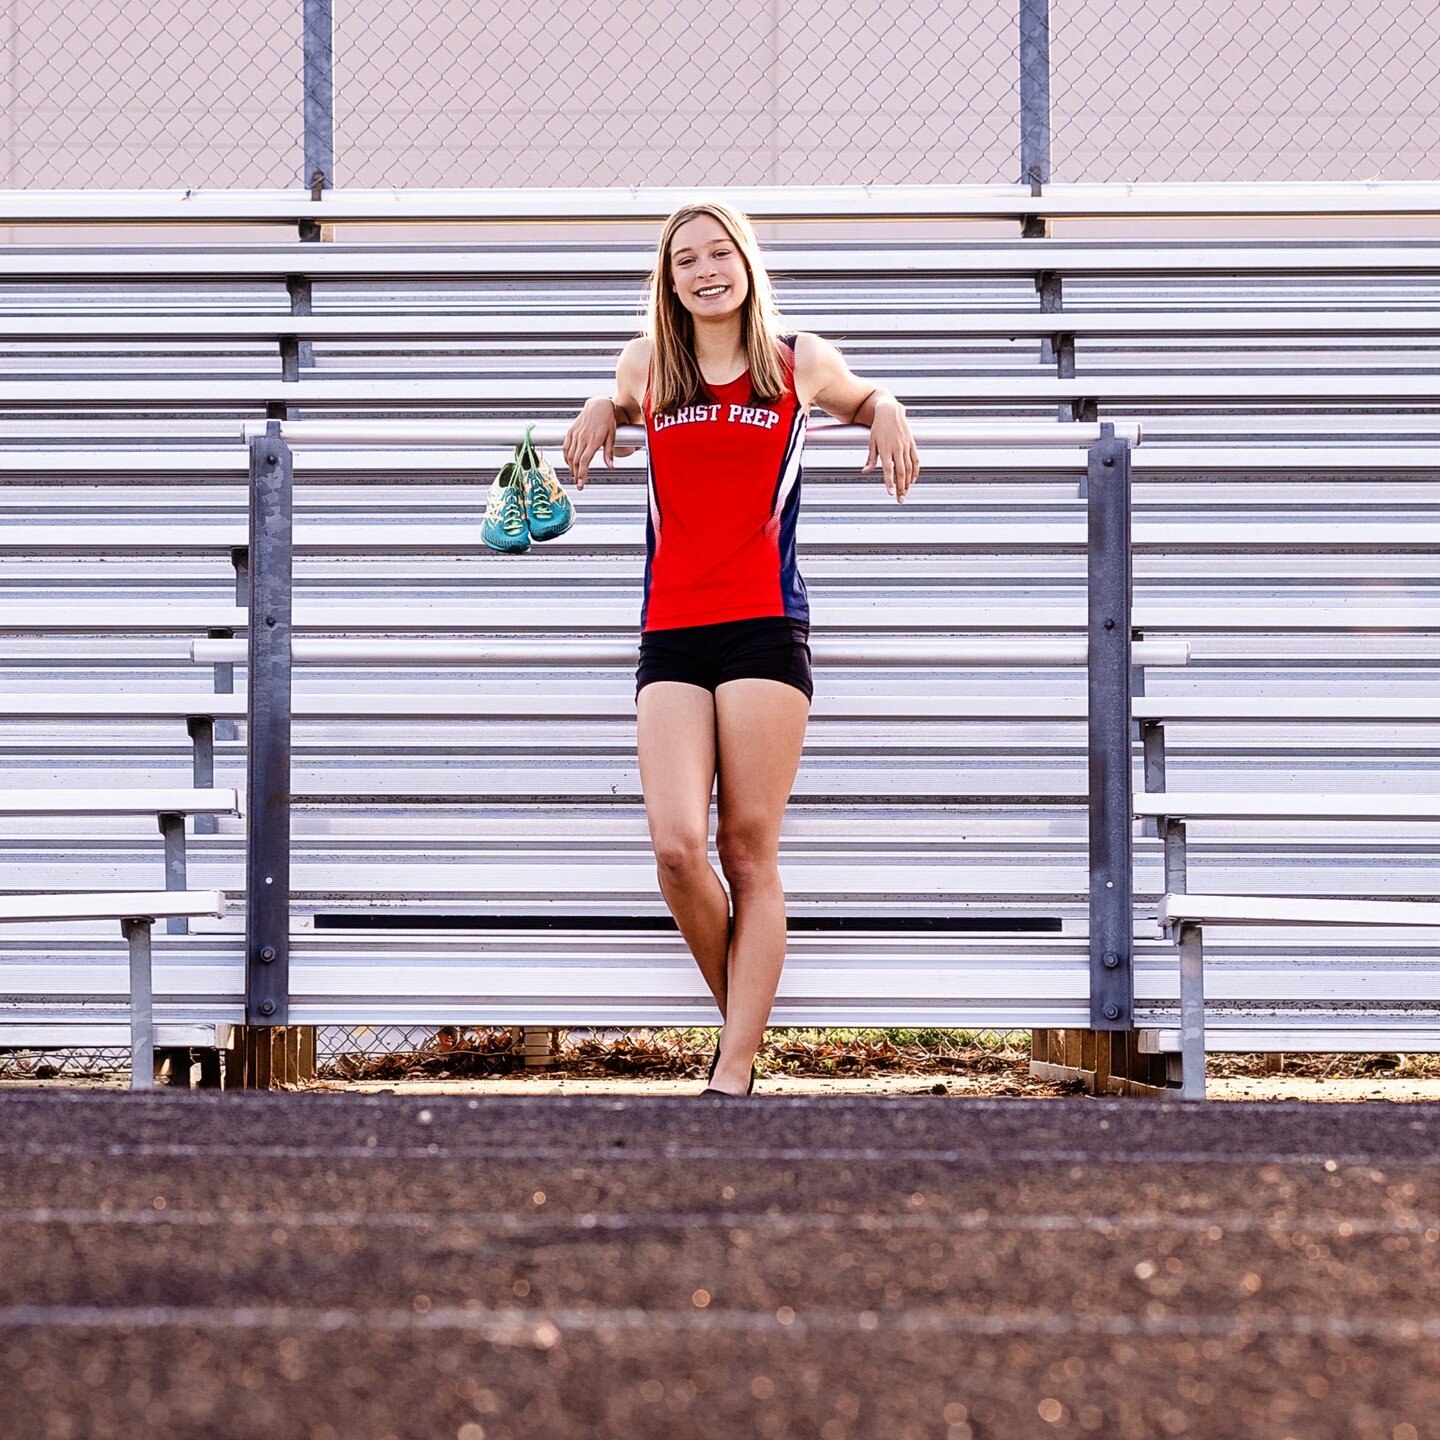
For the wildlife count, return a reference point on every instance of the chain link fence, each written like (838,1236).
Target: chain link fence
(459,1052)
(117,94)
(1247,90)
(557,93)
(178,93)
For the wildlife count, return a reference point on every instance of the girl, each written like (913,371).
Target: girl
(724,682)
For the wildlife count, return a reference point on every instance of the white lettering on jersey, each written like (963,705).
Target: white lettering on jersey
(753,415)
(738,414)
(687,415)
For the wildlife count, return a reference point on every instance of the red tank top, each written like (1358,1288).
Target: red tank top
(724,488)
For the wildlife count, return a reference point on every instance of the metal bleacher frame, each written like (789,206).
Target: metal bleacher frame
(1308,445)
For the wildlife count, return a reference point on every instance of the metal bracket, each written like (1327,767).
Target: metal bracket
(201,729)
(296,354)
(225,673)
(1152,751)
(172,827)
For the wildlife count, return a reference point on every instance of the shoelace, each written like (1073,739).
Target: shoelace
(511,516)
(541,494)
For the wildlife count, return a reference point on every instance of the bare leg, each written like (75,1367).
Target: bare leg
(760,725)
(675,728)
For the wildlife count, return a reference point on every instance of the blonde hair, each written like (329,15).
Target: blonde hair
(675,376)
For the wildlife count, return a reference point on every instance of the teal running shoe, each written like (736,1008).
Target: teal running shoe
(548,510)
(505,528)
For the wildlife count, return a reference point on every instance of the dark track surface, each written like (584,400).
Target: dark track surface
(333,1267)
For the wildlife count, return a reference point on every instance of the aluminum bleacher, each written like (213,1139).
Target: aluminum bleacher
(1286,521)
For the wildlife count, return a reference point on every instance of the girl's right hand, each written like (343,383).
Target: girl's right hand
(592,430)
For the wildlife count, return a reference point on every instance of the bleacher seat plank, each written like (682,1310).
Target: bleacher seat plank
(440,706)
(85,1029)
(570,393)
(600,616)
(1281,806)
(120,802)
(831,649)
(1347,709)
(1303,910)
(1264,1036)
(463,464)
(631,261)
(890,325)
(449,706)
(123,905)
(858,533)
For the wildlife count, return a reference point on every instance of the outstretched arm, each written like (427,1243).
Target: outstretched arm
(841,393)
(594,428)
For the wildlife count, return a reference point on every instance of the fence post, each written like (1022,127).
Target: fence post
(267,810)
(1035,104)
(296,354)
(319,96)
(1112,986)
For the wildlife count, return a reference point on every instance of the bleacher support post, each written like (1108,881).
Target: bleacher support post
(1112,988)
(1106,1056)
(142,1022)
(266,1051)
(1192,1010)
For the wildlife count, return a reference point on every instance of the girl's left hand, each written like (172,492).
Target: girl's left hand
(893,446)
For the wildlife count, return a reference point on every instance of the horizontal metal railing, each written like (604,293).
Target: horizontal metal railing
(1068,436)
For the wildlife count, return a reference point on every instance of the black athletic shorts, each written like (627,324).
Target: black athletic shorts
(773,647)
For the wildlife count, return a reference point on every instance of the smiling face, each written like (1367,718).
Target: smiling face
(707,271)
